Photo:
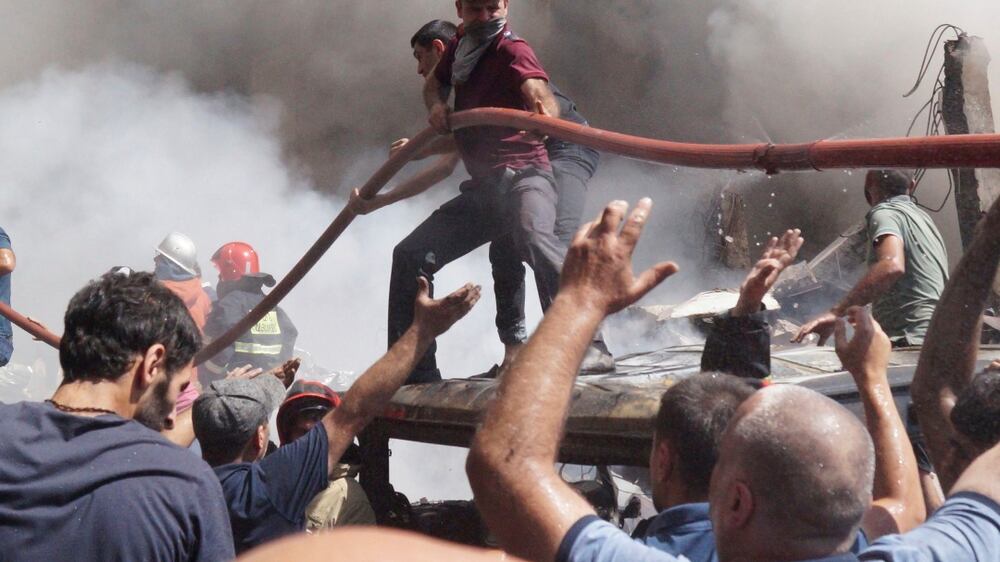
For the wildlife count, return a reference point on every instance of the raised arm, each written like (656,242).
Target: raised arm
(371,393)
(416,185)
(898,500)
(739,343)
(510,465)
(889,266)
(948,358)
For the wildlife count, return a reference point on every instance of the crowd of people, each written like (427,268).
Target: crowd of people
(740,468)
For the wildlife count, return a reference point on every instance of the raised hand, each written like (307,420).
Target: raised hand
(822,326)
(598,266)
(244,372)
(866,354)
(286,371)
(779,254)
(437,316)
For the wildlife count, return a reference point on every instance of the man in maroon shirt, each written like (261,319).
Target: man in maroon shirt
(511,191)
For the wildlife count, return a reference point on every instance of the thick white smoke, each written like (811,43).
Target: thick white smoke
(99,164)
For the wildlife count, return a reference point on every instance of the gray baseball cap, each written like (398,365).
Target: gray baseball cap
(230,410)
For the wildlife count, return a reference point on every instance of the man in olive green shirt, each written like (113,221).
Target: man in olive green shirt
(907,264)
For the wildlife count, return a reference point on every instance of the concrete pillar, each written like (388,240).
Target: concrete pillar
(966,108)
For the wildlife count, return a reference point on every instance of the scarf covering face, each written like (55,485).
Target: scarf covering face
(471,47)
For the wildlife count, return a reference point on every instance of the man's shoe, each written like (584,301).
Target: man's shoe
(597,360)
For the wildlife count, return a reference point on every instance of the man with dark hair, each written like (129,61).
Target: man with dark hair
(267,496)
(7,264)
(511,192)
(693,413)
(976,415)
(85,475)
(956,409)
(908,265)
(572,167)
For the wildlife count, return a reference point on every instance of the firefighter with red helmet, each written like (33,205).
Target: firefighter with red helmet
(344,501)
(271,341)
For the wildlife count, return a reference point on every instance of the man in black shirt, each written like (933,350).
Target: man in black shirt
(267,496)
(86,475)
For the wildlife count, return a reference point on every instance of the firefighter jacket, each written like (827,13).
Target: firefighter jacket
(267,344)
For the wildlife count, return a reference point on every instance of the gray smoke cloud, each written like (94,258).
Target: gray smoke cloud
(121,120)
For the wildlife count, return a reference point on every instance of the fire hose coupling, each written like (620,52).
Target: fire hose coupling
(762,160)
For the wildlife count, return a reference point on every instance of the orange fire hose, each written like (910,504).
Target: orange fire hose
(33,328)
(950,151)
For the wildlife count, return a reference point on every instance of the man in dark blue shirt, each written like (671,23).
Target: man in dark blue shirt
(267,496)
(86,475)
(7,264)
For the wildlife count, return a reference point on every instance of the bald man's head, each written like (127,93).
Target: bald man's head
(794,476)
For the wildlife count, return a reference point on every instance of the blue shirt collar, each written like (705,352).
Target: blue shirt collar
(687,516)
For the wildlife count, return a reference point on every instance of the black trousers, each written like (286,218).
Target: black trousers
(505,259)
(521,206)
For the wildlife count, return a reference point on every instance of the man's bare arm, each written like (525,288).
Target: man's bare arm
(416,185)
(948,358)
(8,262)
(898,501)
(779,254)
(436,99)
(443,144)
(880,277)
(371,393)
(510,465)
(537,95)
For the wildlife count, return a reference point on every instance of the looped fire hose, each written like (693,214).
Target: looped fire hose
(949,151)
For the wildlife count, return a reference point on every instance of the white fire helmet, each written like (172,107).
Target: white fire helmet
(180,249)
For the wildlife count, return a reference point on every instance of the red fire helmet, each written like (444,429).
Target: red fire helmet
(236,259)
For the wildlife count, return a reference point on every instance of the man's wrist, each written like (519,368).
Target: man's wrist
(746,306)
(873,383)
(586,303)
(422,334)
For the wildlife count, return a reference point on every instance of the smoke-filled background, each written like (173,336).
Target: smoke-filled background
(123,120)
